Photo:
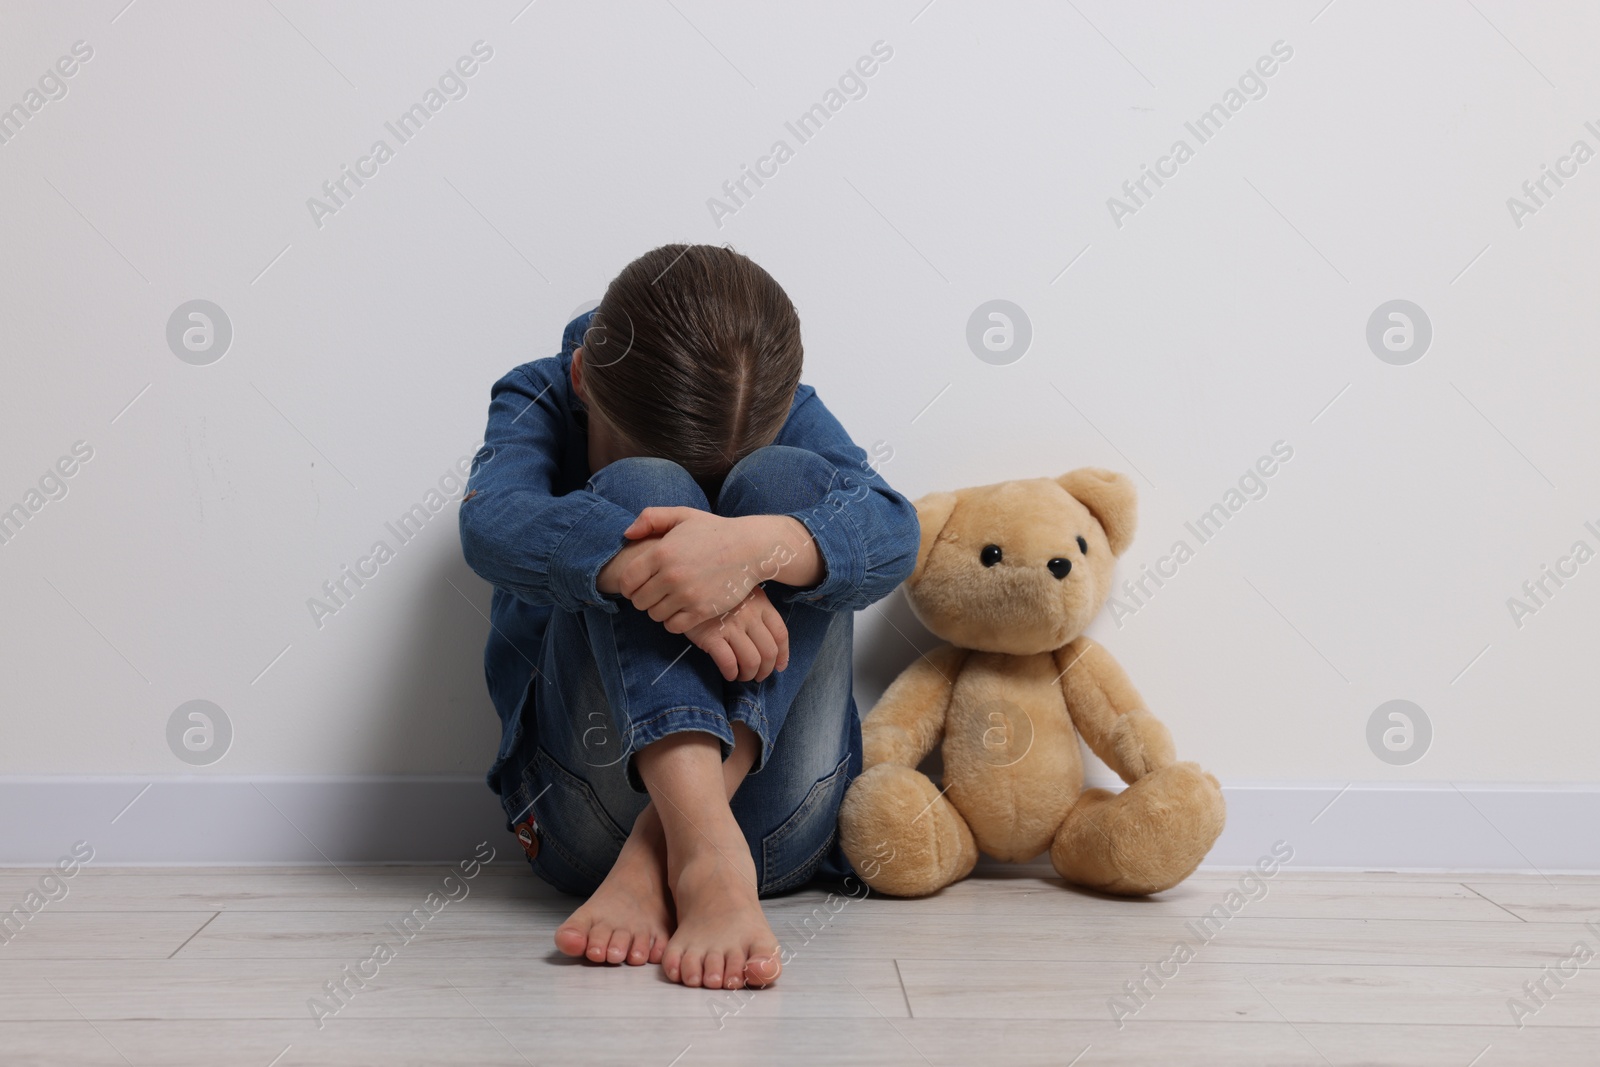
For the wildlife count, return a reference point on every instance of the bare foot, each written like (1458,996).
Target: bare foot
(627,918)
(723,940)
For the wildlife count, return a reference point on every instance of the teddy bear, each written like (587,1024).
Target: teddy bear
(1010,575)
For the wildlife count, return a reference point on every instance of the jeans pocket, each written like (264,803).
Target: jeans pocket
(573,824)
(791,854)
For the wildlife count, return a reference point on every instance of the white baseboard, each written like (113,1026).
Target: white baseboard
(1545,828)
(230,821)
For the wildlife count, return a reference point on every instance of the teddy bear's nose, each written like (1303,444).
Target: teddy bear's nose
(1060,567)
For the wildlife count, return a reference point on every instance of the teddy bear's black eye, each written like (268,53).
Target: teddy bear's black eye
(990,555)
(1083,546)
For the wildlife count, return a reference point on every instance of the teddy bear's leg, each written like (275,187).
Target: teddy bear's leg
(904,838)
(1147,838)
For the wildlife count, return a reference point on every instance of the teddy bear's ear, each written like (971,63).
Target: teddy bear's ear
(1110,497)
(933,511)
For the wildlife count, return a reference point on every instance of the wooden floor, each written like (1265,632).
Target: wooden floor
(216,967)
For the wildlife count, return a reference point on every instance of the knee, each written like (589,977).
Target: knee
(640,482)
(775,480)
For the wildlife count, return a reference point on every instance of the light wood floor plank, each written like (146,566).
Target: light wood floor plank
(1207,992)
(1542,902)
(882,929)
(479,1042)
(1289,894)
(103,935)
(538,986)
(1197,1044)
(847,1042)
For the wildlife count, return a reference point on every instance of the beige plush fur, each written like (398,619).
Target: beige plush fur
(1009,697)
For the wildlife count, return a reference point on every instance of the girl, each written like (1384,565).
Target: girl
(678,532)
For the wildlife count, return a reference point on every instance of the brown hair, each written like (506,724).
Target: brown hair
(694,356)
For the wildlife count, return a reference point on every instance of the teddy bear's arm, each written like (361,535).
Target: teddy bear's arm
(908,719)
(1109,713)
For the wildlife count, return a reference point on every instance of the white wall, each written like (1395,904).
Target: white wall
(1223,316)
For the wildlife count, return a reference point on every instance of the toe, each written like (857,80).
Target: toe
(693,967)
(672,963)
(617,951)
(658,947)
(640,950)
(572,937)
(599,938)
(733,970)
(762,969)
(712,972)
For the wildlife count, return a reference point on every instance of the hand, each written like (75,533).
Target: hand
(608,580)
(688,566)
(747,643)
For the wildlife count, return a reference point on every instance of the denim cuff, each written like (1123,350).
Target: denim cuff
(578,557)
(839,542)
(750,713)
(675,721)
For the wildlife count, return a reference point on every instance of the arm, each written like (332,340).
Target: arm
(850,548)
(515,533)
(1108,712)
(908,720)
(865,533)
(798,562)
(684,566)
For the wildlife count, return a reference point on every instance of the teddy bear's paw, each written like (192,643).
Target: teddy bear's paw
(902,836)
(1145,839)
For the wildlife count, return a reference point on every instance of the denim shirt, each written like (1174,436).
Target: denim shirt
(531,528)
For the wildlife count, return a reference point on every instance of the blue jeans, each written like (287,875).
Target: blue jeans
(609,684)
